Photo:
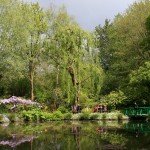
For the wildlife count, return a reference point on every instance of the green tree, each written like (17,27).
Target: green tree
(114,99)
(23,30)
(104,43)
(10,38)
(36,28)
(128,53)
(127,47)
(71,49)
(140,81)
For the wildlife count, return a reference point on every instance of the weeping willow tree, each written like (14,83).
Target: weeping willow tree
(74,58)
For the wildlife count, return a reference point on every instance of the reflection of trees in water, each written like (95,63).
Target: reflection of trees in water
(16,140)
(55,140)
(116,140)
(139,134)
(138,127)
(131,133)
(73,136)
(76,132)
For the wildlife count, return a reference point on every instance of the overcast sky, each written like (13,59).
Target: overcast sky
(90,13)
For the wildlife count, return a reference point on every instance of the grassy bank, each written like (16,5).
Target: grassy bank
(40,116)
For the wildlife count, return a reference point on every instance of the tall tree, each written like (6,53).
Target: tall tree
(73,51)
(36,28)
(104,43)
(105,39)
(10,39)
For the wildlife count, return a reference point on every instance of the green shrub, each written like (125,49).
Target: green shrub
(20,108)
(87,110)
(27,115)
(29,107)
(57,115)
(67,116)
(62,109)
(35,115)
(84,116)
(114,99)
(94,116)
(44,116)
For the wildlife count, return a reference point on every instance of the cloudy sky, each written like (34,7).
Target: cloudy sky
(90,13)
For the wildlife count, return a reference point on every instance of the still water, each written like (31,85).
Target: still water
(76,135)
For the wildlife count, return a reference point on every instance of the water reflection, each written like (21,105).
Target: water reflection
(76,129)
(15,140)
(75,135)
(138,126)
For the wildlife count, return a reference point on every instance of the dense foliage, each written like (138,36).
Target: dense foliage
(47,57)
(124,53)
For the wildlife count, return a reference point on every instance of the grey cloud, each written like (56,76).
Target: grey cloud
(90,13)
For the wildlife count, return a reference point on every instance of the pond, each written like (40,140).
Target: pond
(75,135)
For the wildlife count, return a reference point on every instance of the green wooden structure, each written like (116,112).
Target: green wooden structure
(140,112)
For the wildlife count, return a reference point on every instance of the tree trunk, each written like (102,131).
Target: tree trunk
(76,84)
(56,92)
(31,71)
(78,93)
(71,72)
